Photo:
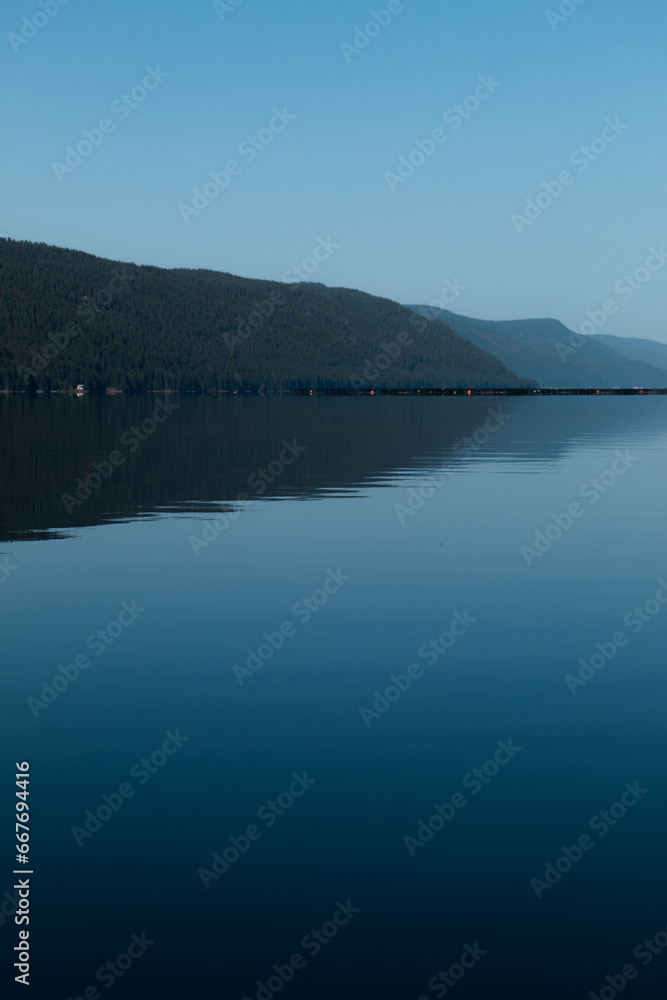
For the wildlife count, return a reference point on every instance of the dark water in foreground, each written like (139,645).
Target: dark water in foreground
(262,634)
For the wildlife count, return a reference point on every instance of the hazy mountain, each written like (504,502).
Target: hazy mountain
(651,352)
(546,350)
(68,317)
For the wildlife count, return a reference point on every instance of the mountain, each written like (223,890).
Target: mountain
(545,350)
(68,317)
(651,352)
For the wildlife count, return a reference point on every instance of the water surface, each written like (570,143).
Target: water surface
(381,525)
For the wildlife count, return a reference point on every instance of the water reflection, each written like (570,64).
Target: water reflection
(71,463)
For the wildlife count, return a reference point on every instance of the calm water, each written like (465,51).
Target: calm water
(256,630)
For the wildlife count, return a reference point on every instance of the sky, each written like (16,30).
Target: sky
(540,195)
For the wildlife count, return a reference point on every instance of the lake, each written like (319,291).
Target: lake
(338,697)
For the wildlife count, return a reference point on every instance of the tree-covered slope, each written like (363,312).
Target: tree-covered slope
(545,350)
(68,317)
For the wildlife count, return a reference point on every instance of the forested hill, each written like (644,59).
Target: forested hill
(68,317)
(546,350)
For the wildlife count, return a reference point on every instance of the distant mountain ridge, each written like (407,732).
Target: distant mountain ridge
(68,317)
(542,349)
(651,352)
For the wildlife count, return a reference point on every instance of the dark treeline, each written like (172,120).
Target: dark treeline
(68,317)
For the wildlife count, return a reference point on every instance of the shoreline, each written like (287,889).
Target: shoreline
(350,392)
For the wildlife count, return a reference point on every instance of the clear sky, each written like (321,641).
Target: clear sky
(330,173)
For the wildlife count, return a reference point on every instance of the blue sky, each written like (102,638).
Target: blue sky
(330,173)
